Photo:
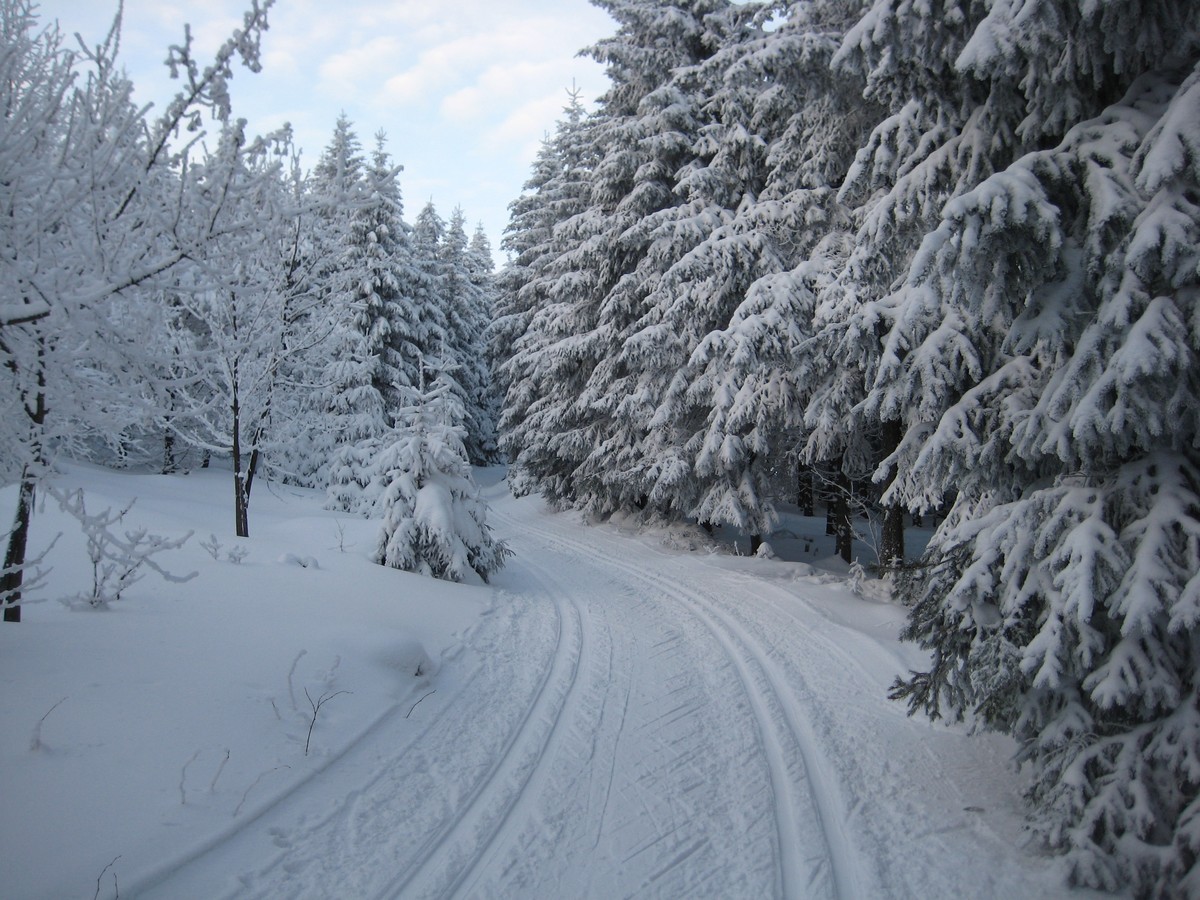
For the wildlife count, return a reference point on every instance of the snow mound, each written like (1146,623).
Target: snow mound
(408,657)
(294,559)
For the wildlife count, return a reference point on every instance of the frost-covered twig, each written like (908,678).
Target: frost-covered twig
(213,546)
(35,743)
(291,673)
(117,561)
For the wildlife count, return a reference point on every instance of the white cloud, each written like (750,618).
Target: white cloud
(359,66)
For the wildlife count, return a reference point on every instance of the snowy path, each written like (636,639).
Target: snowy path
(633,722)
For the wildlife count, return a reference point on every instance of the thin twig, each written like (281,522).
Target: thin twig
(414,706)
(237,809)
(316,708)
(213,786)
(35,742)
(183,777)
(101,875)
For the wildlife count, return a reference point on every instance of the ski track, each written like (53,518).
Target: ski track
(469,836)
(627,723)
(801,796)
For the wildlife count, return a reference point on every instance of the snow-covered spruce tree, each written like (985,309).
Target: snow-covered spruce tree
(348,408)
(481,269)
(81,178)
(610,259)
(468,310)
(940,134)
(697,266)
(430,277)
(1043,360)
(434,520)
(782,131)
(555,194)
(372,375)
(378,237)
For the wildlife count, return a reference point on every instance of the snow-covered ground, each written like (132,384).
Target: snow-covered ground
(620,714)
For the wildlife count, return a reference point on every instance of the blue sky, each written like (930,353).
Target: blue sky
(465,91)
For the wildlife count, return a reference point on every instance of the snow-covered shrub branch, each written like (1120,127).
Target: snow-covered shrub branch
(116,559)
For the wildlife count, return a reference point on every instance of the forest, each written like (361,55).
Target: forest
(883,258)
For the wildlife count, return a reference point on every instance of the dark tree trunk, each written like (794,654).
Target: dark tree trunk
(169,461)
(755,542)
(843,527)
(829,496)
(241,515)
(891,551)
(251,470)
(892,539)
(18,542)
(804,490)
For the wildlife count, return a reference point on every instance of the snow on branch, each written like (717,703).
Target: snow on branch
(117,559)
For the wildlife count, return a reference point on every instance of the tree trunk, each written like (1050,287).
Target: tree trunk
(755,542)
(829,496)
(18,541)
(843,527)
(241,515)
(169,464)
(250,470)
(891,551)
(14,557)
(804,490)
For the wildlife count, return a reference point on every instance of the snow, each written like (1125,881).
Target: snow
(621,713)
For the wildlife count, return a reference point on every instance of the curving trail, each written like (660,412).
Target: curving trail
(632,722)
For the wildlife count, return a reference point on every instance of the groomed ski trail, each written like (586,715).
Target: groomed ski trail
(634,722)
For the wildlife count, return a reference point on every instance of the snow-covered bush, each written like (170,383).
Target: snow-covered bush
(117,560)
(434,517)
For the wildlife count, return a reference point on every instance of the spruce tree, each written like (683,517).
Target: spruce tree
(555,194)
(468,310)
(1041,356)
(579,426)
(434,520)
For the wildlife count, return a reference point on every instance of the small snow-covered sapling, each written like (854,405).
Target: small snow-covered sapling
(117,560)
